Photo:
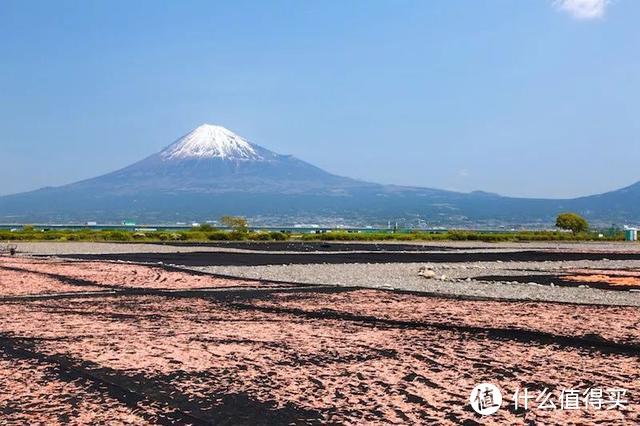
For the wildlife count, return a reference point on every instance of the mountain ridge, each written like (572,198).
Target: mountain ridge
(211,171)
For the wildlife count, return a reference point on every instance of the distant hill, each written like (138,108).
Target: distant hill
(211,172)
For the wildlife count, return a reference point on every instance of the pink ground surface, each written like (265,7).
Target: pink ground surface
(299,356)
(22,283)
(31,396)
(613,323)
(109,274)
(624,278)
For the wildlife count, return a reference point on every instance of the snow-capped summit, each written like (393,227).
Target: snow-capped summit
(210,141)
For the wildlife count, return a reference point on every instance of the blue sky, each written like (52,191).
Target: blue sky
(527,98)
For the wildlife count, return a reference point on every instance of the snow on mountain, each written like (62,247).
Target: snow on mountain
(209,141)
(212,159)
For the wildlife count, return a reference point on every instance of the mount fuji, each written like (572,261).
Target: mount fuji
(208,172)
(211,171)
(213,160)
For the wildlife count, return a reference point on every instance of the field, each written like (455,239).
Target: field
(306,334)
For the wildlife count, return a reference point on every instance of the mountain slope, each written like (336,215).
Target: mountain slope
(212,171)
(213,160)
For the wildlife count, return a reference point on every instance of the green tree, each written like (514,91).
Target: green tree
(236,223)
(573,222)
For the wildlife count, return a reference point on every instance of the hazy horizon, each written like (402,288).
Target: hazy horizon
(535,99)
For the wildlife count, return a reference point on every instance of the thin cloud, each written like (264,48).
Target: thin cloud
(583,9)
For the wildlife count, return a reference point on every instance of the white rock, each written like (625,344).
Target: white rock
(426,272)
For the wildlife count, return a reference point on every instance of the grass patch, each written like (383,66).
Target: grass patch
(210,234)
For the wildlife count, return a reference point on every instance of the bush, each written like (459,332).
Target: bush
(118,236)
(196,236)
(260,236)
(237,235)
(163,236)
(218,236)
(278,236)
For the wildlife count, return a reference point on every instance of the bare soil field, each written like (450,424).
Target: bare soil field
(99,342)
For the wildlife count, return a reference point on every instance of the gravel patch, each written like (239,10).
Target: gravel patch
(449,279)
